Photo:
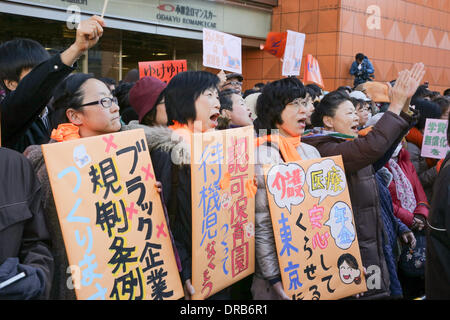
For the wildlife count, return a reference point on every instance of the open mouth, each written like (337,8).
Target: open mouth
(346,277)
(354,128)
(302,123)
(214,118)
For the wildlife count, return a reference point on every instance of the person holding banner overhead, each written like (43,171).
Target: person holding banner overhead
(30,75)
(282,120)
(336,114)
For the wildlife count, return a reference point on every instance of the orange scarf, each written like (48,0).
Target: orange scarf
(288,146)
(65,132)
(183,130)
(365,131)
(416,137)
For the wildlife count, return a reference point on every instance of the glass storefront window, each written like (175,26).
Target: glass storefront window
(104,59)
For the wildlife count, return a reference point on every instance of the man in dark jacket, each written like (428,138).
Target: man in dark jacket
(29,76)
(437,269)
(24,239)
(362,69)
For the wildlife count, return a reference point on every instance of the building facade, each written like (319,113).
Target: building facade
(392,33)
(137,30)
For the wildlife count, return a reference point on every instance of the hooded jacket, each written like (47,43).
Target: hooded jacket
(358,156)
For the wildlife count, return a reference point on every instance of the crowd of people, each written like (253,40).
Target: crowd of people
(400,200)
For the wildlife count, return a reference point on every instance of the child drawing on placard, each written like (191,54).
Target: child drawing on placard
(348,269)
(232,53)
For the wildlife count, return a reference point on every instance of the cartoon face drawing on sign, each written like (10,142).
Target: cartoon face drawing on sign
(348,269)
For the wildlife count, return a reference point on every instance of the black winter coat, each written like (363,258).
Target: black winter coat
(20,122)
(23,231)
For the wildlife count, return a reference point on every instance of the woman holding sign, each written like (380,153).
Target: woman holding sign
(84,107)
(192,105)
(336,114)
(280,107)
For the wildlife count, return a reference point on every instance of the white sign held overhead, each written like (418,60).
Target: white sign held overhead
(293,53)
(222,51)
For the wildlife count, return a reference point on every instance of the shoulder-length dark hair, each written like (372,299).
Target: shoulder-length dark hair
(274,98)
(68,94)
(182,92)
(328,106)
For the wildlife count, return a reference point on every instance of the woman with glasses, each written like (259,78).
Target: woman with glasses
(362,157)
(83,107)
(282,113)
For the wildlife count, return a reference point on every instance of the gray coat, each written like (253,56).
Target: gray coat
(267,270)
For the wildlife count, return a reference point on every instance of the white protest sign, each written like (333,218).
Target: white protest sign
(293,53)
(222,51)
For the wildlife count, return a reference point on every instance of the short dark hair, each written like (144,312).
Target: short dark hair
(316,89)
(421,92)
(108,81)
(327,107)
(357,102)
(350,259)
(427,110)
(360,56)
(68,94)
(344,88)
(274,98)
(225,99)
(312,93)
(447,92)
(443,102)
(18,55)
(249,92)
(122,93)
(182,92)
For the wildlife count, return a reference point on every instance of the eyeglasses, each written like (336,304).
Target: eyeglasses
(234,83)
(106,102)
(298,103)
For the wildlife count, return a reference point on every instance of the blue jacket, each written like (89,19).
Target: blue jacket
(393,228)
(362,75)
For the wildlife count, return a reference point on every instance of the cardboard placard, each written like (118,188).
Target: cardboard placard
(435,144)
(314,229)
(223,209)
(162,70)
(293,52)
(222,51)
(112,220)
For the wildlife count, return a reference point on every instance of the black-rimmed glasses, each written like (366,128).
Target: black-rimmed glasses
(106,102)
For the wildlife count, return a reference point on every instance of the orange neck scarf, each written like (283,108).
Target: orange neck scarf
(288,146)
(183,130)
(65,132)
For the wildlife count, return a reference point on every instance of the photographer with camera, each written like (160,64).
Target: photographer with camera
(362,69)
